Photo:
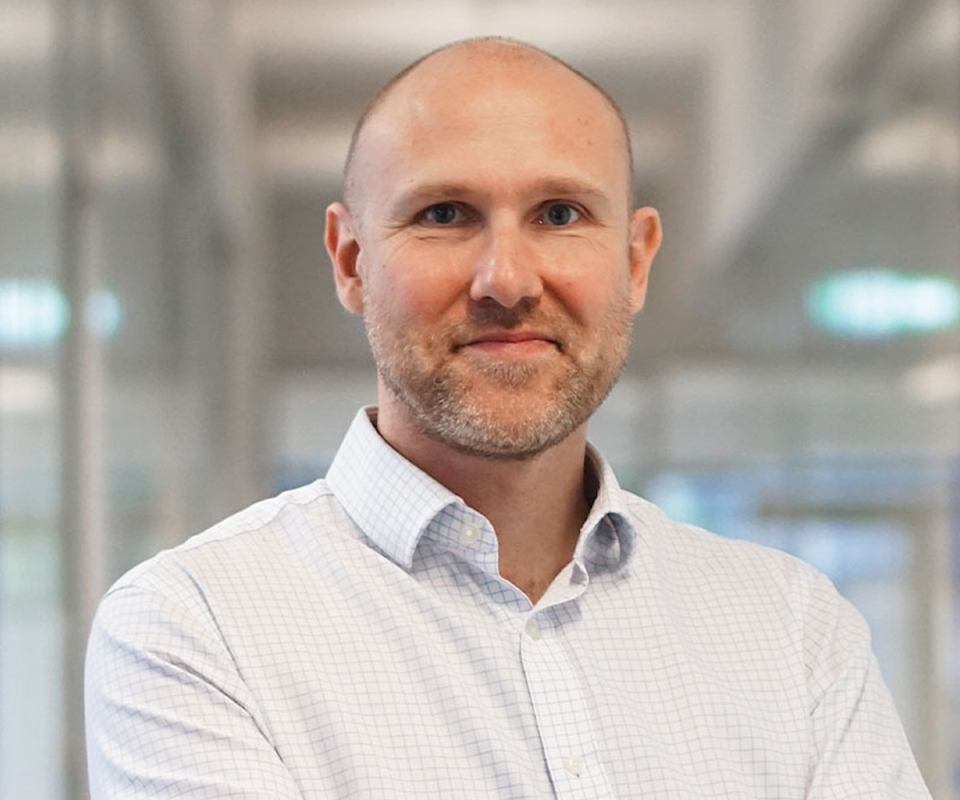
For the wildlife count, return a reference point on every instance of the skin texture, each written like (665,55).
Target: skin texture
(497,264)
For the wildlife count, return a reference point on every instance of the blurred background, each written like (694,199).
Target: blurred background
(172,348)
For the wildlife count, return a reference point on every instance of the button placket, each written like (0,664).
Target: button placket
(563,718)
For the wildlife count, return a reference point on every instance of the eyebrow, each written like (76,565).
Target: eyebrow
(552,187)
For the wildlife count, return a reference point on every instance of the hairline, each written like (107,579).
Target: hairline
(384,92)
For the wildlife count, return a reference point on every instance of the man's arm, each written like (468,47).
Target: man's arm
(859,749)
(167,714)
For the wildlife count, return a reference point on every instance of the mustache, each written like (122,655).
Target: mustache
(494,315)
(485,319)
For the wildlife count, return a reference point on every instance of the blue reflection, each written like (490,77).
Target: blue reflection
(35,313)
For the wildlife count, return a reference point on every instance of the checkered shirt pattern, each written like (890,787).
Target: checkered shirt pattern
(353,639)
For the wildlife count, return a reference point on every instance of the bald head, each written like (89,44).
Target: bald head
(467,66)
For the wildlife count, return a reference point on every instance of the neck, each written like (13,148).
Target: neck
(536,505)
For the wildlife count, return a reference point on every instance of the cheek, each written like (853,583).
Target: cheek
(592,303)
(418,282)
(595,280)
(419,297)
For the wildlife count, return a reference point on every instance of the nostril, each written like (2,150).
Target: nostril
(506,283)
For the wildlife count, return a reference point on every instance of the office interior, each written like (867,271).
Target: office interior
(171,346)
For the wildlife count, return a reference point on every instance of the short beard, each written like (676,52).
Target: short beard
(443,404)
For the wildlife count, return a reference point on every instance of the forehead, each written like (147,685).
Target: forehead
(491,115)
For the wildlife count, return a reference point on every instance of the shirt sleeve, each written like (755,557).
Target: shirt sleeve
(167,713)
(858,746)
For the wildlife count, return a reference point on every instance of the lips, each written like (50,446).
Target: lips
(511,345)
(511,337)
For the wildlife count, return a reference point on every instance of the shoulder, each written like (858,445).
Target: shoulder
(748,608)
(269,535)
(737,576)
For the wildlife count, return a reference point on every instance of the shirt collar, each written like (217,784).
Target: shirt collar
(390,499)
(393,501)
(608,537)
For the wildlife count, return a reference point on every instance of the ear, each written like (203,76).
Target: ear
(645,236)
(343,245)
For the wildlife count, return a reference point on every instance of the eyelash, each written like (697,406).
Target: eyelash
(421,217)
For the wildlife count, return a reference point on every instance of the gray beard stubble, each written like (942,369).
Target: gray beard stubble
(439,401)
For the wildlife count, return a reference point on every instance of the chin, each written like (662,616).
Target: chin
(502,431)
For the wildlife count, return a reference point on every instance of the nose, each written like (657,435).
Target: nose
(507,270)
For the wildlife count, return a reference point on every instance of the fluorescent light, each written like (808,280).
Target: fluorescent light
(877,303)
(103,313)
(34,313)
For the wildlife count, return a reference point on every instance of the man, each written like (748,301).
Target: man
(468,605)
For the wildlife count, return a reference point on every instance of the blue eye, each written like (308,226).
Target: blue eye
(442,214)
(561,214)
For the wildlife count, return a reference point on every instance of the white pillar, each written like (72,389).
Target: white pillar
(82,526)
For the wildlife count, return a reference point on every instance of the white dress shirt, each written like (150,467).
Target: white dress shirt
(353,639)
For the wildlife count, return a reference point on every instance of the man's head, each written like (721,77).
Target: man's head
(489,243)
(510,48)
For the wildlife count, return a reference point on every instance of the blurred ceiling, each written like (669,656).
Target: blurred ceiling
(779,140)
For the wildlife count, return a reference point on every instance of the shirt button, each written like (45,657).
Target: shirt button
(469,534)
(532,628)
(574,765)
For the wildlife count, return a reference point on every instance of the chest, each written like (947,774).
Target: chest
(413,688)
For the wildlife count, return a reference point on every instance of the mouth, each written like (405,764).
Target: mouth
(511,344)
